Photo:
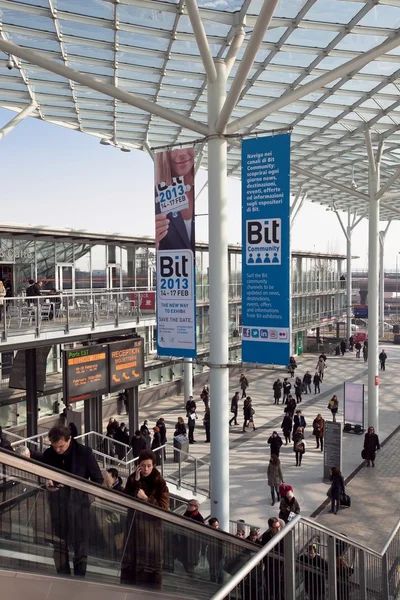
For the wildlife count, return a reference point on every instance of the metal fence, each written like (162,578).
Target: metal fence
(307,561)
(176,466)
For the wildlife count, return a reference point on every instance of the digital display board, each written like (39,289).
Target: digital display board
(86,372)
(126,363)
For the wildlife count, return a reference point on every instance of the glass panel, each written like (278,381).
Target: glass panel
(45,264)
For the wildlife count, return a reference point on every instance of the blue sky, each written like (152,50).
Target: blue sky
(51,175)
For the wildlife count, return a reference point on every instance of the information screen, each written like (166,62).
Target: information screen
(86,372)
(126,360)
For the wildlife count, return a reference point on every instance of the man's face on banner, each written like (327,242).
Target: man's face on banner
(181,161)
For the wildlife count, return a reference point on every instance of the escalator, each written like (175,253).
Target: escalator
(165,553)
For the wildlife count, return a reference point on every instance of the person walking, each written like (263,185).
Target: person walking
(299,445)
(292,366)
(120,402)
(289,507)
(298,389)
(244,384)
(163,434)
(318,431)
(343,347)
(155,444)
(351,343)
(138,443)
(316,381)
(337,489)
(70,510)
(275,477)
(248,414)
(192,425)
(371,445)
(382,360)
(275,443)
(287,425)
(287,386)
(144,430)
(277,388)
(315,575)
(299,421)
(358,349)
(365,352)
(206,423)
(143,544)
(321,366)
(307,382)
(190,405)
(333,406)
(234,408)
(205,396)
(290,406)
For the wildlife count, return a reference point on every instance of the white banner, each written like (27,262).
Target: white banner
(354,403)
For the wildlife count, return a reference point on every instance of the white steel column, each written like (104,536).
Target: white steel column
(17,120)
(382,236)
(373,287)
(187,379)
(219,316)
(349,282)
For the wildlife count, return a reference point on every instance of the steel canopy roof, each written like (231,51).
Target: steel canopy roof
(147,47)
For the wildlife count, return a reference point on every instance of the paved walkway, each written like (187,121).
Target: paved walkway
(249,452)
(374,495)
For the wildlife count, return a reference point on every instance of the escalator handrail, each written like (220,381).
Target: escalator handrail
(33,467)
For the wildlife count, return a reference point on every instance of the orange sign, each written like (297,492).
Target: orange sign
(126,363)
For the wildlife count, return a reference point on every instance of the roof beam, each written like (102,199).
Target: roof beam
(333,184)
(201,39)
(256,38)
(103,88)
(349,67)
(26,112)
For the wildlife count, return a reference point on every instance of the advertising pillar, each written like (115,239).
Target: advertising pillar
(266,250)
(175,244)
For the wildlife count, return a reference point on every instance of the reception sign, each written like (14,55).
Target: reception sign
(266,250)
(175,243)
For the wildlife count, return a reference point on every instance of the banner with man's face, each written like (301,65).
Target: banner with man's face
(175,244)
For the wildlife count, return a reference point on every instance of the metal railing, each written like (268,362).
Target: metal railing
(176,466)
(306,560)
(64,313)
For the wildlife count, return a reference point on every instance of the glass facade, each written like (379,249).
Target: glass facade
(318,297)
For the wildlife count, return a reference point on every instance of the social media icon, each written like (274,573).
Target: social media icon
(282,335)
(255,333)
(264,333)
(246,332)
(273,334)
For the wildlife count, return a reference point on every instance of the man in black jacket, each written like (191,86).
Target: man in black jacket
(70,508)
(138,443)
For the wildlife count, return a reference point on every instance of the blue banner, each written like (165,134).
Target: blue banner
(266,250)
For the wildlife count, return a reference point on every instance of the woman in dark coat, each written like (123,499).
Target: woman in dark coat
(371,445)
(144,430)
(180,427)
(337,489)
(287,426)
(143,544)
(275,442)
(156,443)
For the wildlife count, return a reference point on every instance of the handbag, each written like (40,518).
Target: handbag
(363,453)
(329,492)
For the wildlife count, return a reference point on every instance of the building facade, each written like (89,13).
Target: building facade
(106,284)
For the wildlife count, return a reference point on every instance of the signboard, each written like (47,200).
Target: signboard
(18,370)
(353,403)
(266,250)
(360,311)
(126,363)
(175,244)
(332,447)
(85,372)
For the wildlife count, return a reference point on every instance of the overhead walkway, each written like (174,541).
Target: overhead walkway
(223,565)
